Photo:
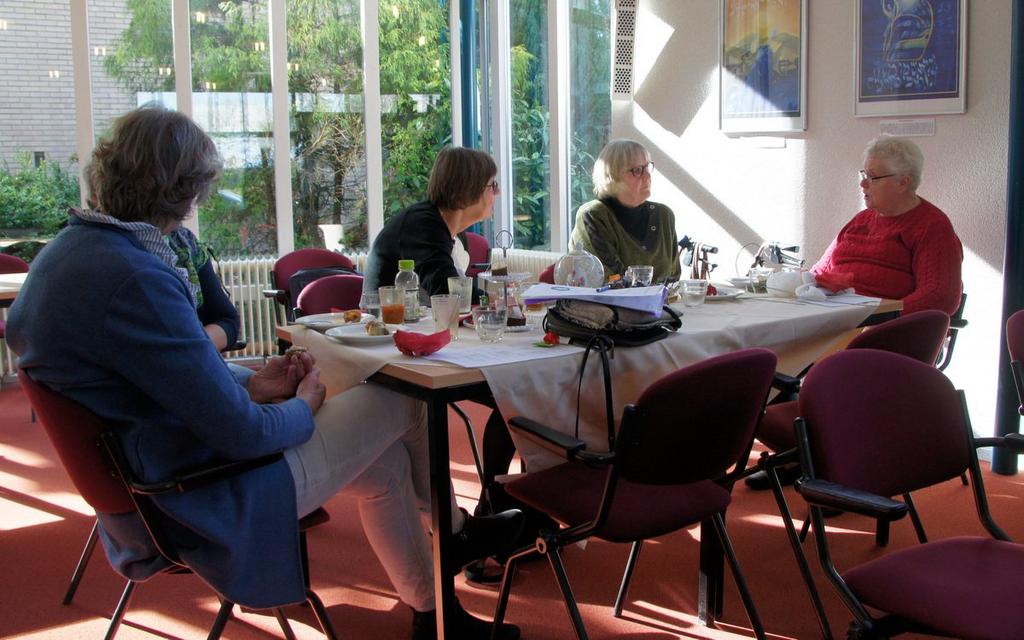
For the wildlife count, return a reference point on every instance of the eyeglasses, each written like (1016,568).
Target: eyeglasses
(871,179)
(641,170)
(493,186)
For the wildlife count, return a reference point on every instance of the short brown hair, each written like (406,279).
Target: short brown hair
(459,177)
(152,166)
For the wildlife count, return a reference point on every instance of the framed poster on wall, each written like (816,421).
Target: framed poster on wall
(762,67)
(911,57)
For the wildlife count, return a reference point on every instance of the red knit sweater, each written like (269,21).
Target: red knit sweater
(914,257)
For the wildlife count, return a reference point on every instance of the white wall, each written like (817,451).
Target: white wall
(803,187)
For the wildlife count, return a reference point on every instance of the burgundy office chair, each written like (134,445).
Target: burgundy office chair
(918,335)
(668,469)
(90,454)
(302,259)
(874,425)
(479,254)
(1015,344)
(330,292)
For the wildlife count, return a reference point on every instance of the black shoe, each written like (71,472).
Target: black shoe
(486,574)
(464,626)
(759,481)
(485,536)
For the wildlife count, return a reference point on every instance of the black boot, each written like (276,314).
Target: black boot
(485,536)
(463,626)
(788,474)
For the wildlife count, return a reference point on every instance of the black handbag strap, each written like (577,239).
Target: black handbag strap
(606,347)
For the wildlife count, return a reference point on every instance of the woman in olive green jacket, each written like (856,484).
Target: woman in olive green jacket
(621,227)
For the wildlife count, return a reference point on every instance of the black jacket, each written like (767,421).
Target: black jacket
(415,233)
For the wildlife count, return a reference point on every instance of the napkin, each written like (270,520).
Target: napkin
(824,284)
(420,344)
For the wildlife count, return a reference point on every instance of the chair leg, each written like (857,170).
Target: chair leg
(627,576)
(320,611)
(963,477)
(472,441)
(741,582)
(286,627)
(555,560)
(221,620)
(915,518)
(504,591)
(805,528)
(83,562)
(798,553)
(882,533)
(122,606)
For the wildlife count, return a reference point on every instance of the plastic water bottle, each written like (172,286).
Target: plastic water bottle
(410,282)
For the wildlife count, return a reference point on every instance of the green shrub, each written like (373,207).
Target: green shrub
(36,198)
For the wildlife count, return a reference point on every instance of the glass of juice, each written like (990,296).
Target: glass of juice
(392,305)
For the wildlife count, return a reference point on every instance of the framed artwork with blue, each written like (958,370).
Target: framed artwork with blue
(911,57)
(762,67)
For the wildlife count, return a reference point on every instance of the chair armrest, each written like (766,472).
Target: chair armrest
(483,266)
(786,384)
(203,476)
(558,442)
(822,493)
(1012,441)
(275,294)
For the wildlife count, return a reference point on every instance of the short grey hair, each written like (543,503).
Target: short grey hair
(900,154)
(612,162)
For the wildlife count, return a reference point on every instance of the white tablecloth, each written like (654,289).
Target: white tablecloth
(545,390)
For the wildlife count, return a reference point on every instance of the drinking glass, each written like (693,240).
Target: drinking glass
(369,303)
(392,304)
(462,286)
(758,280)
(693,292)
(445,309)
(490,323)
(639,275)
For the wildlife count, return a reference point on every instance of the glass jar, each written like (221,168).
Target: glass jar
(579,268)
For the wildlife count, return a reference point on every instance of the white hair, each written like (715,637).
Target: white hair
(900,155)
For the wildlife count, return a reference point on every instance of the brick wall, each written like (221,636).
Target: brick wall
(36,111)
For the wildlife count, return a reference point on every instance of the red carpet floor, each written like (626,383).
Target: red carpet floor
(43,525)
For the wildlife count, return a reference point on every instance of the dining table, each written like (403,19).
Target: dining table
(10,285)
(525,379)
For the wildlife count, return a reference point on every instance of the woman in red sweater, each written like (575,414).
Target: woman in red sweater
(901,246)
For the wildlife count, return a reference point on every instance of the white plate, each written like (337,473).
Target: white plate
(324,321)
(724,293)
(742,283)
(356,334)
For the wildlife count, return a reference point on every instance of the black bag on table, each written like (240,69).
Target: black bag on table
(580,321)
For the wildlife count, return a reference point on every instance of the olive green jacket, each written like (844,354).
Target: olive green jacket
(599,232)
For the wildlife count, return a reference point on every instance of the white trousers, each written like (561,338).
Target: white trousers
(371,443)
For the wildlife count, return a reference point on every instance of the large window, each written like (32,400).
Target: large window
(231,101)
(325,86)
(38,158)
(590,96)
(531,166)
(134,55)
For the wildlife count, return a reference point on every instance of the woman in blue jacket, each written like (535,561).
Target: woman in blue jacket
(108,318)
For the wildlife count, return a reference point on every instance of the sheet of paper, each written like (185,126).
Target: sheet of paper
(649,299)
(488,355)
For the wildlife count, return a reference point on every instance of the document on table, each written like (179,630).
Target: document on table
(489,355)
(842,300)
(649,299)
